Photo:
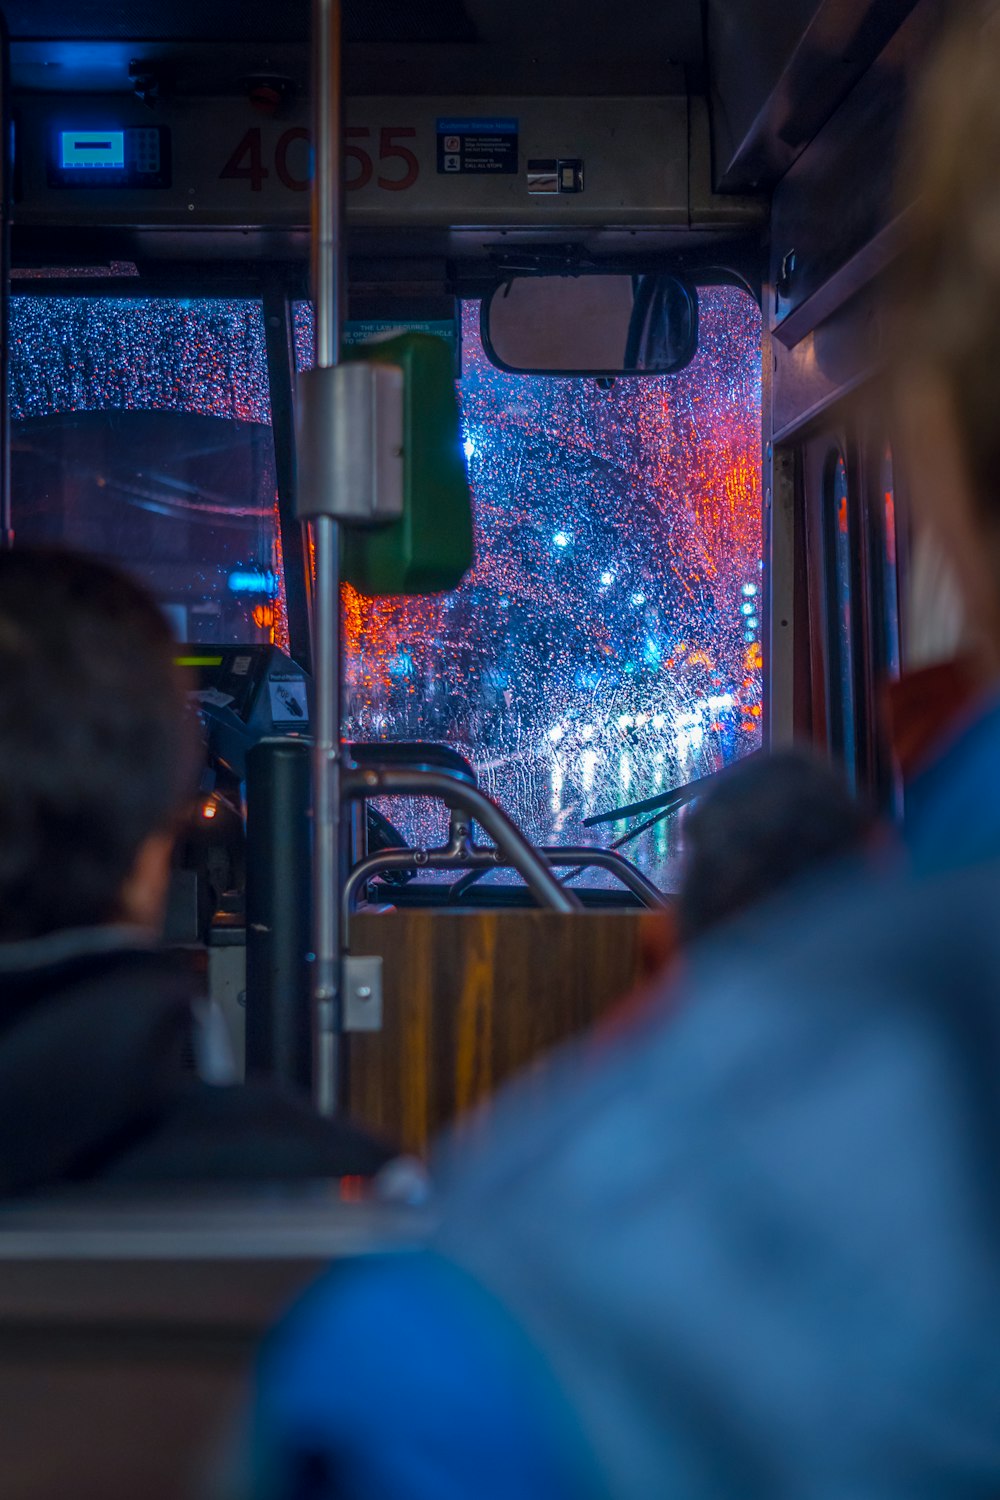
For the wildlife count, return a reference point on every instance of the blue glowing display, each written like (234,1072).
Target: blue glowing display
(87,149)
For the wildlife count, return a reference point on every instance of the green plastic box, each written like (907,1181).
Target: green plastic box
(430,548)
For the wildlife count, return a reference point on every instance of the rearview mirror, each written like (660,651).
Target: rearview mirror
(597,325)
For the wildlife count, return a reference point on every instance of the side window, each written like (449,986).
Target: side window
(885,570)
(839,552)
(140,431)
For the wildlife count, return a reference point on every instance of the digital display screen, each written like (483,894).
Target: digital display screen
(198,661)
(87,149)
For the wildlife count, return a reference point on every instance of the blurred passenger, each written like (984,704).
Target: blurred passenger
(943,680)
(762,825)
(97,760)
(757,1254)
(948,401)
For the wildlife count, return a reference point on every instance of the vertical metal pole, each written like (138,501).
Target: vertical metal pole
(327,288)
(6,173)
(278,1026)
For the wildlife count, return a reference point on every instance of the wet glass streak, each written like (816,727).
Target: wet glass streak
(607,643)
(141,432)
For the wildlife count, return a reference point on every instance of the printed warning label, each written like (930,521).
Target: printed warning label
(289,704)
(477,146)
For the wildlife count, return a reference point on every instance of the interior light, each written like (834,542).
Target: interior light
(242,582)
(209,810)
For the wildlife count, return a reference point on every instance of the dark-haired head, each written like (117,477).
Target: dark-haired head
(763,825)
(96,753)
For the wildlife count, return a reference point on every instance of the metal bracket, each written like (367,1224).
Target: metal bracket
(350,443)
(362,980)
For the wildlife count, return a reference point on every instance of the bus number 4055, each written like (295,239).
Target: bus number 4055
(398,167)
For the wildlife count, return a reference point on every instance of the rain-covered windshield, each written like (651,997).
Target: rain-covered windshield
(606,644)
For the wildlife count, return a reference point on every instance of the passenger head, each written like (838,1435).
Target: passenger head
(95,747)
(948,309)
(764,824)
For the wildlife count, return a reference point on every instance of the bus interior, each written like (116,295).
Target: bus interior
(688,532)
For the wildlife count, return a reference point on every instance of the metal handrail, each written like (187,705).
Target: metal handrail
(511,845)
(584,858)
(479,861)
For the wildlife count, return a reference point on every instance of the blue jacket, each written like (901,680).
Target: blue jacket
(755,1253)
(952,819)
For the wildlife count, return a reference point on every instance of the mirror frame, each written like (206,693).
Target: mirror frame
(684,281)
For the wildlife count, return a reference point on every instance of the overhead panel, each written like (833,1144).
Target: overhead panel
(444,162)
(833,211)
(386,21)
(779,69)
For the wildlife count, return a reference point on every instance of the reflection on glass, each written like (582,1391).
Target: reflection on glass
(890,572)
(842,642)
(606,645)
(140,432)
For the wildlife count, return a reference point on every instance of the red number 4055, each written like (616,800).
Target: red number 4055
(247,162)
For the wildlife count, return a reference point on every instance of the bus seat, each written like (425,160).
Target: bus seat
(417,755)
(127,1328)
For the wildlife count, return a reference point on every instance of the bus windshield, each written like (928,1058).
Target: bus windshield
(607,643)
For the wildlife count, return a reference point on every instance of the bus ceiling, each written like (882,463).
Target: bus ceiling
(625,131)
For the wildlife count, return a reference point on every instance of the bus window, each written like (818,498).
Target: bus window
(606,645)
(140,432)
(887,582)
(841,695)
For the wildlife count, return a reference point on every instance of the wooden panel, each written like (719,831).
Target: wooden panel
(472,997)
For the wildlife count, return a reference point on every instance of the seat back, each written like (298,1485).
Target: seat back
(470,998)
(127,1333)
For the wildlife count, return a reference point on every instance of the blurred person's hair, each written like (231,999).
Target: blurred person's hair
(947,283)
(96,749)
(765,823)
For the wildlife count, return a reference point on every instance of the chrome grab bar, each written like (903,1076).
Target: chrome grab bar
(512,848)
